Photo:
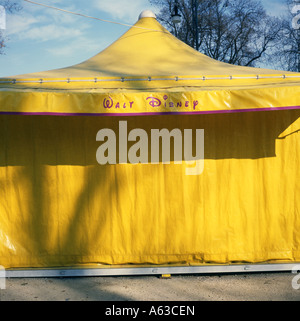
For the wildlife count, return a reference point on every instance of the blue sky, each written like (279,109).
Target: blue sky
(43,39)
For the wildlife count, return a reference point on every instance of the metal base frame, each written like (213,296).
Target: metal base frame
(150,270)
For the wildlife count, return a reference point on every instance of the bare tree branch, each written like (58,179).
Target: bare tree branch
(10,7)
(234,31)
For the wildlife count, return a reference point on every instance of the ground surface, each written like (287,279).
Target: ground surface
(225,287)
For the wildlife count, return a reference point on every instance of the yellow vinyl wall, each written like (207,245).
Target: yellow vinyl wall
(59,207)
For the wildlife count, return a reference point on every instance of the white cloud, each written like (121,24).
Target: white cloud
(50,32)
(87,47)
(124,10)
(275,7)
(39,27)
(17,23)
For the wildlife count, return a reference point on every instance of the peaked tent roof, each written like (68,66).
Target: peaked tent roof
(148,61)
(148,49)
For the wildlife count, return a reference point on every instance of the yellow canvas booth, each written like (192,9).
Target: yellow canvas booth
(149,153)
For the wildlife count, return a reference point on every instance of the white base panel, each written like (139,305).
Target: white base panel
(150,270)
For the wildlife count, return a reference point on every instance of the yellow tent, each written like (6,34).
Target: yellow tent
(187,161)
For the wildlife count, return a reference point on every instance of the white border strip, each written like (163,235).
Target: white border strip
(123,79)
(151,270)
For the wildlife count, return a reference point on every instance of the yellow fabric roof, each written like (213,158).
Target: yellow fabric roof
(148,60)
(148,49)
